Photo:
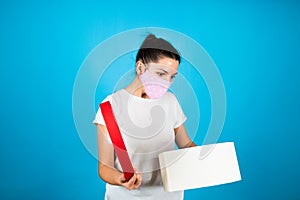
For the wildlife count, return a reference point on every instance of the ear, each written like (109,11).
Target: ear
(139,67)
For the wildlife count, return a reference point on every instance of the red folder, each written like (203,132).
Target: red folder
(117,140)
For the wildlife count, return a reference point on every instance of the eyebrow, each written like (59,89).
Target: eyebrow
(167,72)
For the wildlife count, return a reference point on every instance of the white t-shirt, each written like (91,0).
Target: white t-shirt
(147,127)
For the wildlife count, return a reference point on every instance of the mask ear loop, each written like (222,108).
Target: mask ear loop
(146,68)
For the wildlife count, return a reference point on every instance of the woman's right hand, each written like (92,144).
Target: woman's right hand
(134,182)
(106,169)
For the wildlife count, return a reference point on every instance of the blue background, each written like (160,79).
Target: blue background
(255,44)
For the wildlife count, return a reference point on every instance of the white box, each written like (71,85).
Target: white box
(184,168)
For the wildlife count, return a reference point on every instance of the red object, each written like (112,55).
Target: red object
(116,138)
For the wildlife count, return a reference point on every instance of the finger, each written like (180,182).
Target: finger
(133,180)
(139,177)
(138,180)
(130,184)
(122,178)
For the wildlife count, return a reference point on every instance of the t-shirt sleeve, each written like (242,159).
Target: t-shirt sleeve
(99,117)
(100,120)
(180,116)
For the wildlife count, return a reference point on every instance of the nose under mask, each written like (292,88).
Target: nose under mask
(155,87)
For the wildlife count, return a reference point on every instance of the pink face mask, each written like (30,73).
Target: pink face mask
(155,87)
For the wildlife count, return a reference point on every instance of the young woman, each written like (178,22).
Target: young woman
(151,121)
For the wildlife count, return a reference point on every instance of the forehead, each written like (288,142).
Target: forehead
(167,64)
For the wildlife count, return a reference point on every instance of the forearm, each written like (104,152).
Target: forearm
(109,174)
(182,139)
(192,144)
(189,144)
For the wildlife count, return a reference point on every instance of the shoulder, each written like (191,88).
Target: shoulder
(107,98)
(171,96)
(111,96)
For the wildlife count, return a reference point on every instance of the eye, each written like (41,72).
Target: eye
(160,74)
(172,77)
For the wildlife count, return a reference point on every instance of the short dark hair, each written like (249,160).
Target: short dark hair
(154,48)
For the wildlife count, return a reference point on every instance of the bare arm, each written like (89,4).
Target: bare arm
(182,139)
(106,169)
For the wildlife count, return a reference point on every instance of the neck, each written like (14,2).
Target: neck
(136,88)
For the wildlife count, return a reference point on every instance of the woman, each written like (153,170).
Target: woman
(151,122)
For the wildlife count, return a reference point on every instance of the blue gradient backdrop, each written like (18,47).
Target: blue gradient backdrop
(255,44)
